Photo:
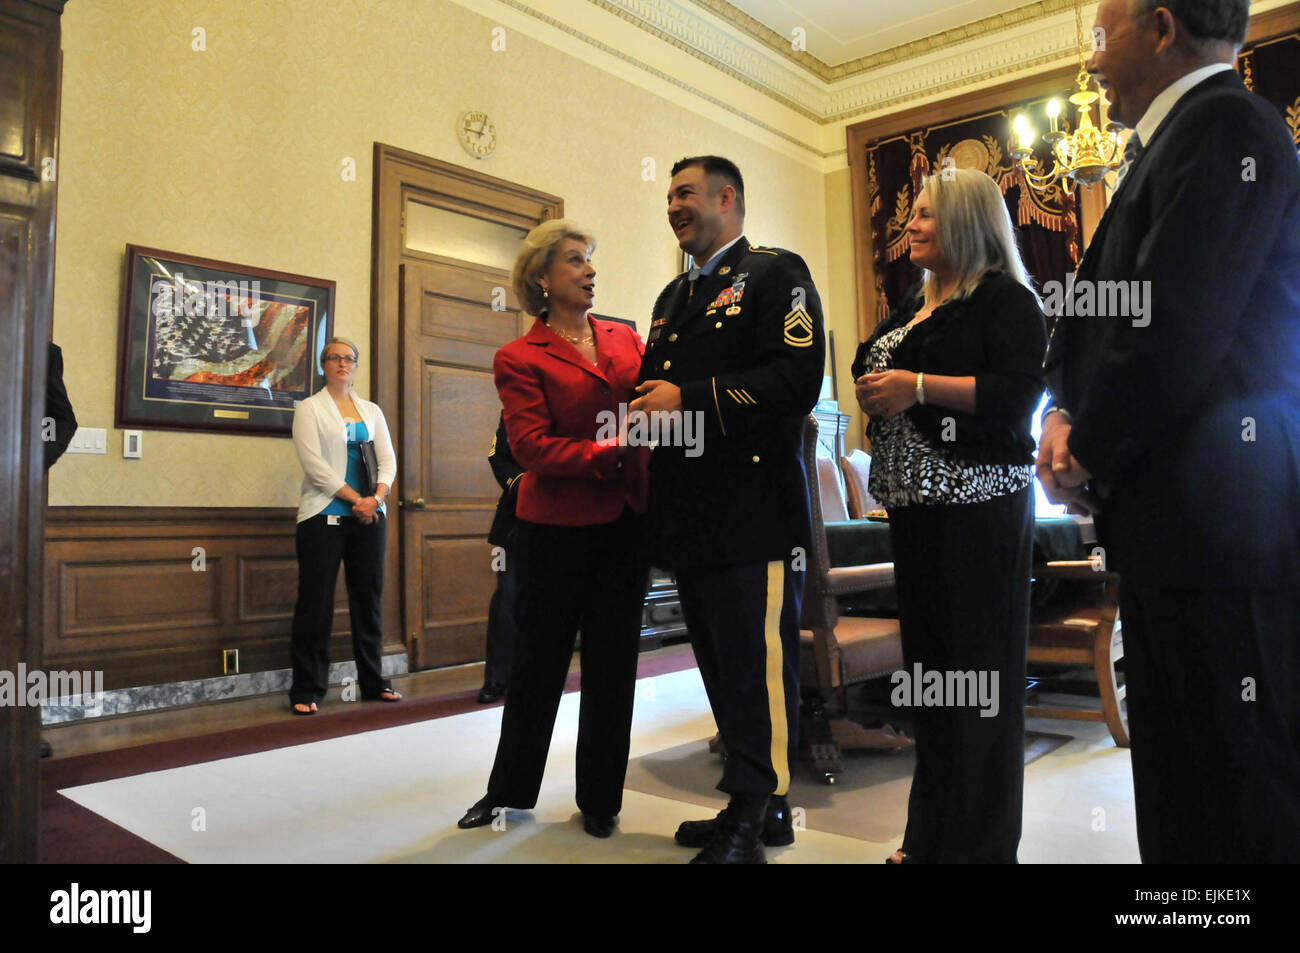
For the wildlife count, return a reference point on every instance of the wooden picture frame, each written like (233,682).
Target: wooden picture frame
(217,347)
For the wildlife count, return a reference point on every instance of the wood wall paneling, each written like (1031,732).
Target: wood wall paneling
(126,593)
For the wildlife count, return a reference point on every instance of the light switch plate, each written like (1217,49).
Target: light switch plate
(89,440)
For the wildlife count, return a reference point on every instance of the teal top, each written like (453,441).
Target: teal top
(358,434)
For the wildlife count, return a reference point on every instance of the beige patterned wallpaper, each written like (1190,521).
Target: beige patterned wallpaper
(235,152)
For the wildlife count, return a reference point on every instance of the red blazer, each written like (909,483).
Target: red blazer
(553,399)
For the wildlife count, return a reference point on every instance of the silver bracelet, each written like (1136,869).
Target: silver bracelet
(920,388)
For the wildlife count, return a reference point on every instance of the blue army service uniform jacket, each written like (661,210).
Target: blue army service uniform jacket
(746,346)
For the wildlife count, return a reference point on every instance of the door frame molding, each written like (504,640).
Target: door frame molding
(397,174)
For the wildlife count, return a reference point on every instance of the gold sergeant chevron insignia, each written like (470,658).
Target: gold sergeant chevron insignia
(740,396)
(799,328)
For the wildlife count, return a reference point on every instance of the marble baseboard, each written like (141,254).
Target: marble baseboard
(122,701)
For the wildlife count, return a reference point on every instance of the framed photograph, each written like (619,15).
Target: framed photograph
(217,347)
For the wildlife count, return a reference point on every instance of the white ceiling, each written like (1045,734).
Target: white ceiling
(841,30)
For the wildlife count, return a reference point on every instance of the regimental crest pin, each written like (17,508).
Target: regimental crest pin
(724,270)
(799,328)
(733,310)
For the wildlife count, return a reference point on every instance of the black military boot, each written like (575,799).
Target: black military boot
(738,836)
(778,829)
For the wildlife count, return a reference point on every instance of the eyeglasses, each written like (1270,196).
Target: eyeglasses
(341,358)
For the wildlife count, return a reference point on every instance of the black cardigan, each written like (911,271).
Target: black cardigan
(995,334)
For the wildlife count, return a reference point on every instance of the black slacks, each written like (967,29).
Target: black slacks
(744,627)
(1214,717)
(502,625)
(591,578)
(962,574)
(320,547)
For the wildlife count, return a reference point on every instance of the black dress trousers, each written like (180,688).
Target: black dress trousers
(320,548)
(744,626)
(962,573)
(591,578)
(1214,718)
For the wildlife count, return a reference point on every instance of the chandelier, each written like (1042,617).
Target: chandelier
(1082,156)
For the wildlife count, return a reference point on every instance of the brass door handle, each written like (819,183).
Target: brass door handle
(415,504)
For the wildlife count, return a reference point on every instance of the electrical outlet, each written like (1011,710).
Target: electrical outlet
(132,444)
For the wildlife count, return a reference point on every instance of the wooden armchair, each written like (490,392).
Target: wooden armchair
(839,651)
(1082,628)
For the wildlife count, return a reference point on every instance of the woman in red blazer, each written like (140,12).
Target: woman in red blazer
(579,551)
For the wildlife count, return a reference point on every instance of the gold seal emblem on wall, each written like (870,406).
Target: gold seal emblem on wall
(970,154)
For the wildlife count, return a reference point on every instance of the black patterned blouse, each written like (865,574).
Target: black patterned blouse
(907,469)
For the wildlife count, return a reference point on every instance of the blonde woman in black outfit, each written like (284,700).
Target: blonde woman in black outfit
(950,381)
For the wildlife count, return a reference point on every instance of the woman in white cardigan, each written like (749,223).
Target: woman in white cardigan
(340,518)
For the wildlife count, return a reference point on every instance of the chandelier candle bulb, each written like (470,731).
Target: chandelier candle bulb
(1024,132)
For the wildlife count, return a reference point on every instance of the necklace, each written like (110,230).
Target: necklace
(574,339)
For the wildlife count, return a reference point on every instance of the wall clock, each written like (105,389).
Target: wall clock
(477,133)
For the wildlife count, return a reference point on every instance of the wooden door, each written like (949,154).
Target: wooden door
(450,331)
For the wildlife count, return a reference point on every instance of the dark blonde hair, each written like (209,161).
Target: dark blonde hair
(537,256)
(974,231)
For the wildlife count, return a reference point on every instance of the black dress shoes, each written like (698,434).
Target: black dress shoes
(480,815)
(738,834)
(598,825)
(736,842)
(490,693)
(778,829)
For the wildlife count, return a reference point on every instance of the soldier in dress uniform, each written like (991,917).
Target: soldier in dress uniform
(737,342)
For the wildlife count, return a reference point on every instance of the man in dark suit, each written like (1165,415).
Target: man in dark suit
(1180,422)
(737,345)
(501,612)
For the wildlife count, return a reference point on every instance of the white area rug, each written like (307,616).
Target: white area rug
(394,795)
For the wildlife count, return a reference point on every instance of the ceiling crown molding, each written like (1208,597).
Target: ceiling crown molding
(957,58)
(991,57)
(720,48)
(781,45)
